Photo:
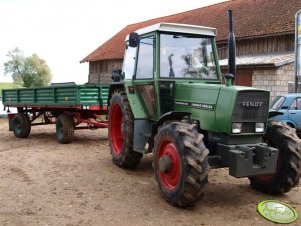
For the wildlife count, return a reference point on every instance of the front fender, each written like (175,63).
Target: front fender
(289,122)
(286,121)
(172,115)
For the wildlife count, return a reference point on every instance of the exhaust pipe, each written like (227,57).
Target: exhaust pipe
(230,76)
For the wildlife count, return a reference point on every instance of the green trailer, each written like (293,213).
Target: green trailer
(66,105)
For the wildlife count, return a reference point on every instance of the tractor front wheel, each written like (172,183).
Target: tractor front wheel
(121,132)
(21,125)
(180,163)
(288,170)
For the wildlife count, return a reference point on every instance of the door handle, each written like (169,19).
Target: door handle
(292,113)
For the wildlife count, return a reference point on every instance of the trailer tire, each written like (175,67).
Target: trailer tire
(121,131)
(21,125)
(284,138)
(180,163)
(64,129)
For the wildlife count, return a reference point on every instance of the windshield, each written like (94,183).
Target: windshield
(186,56)
(277,102)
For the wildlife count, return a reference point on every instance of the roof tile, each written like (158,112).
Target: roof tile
(251,18)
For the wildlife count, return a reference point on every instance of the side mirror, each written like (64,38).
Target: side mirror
(133,39)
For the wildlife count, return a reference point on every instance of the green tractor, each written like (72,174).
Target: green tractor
(170,100)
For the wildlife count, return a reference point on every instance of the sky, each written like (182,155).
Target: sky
(63,32)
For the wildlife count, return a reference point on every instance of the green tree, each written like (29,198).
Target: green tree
(29,71)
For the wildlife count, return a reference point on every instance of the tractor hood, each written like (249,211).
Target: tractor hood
(216,107)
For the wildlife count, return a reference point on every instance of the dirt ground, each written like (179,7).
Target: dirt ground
(44,183)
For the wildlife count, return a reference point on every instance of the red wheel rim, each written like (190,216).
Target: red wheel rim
(116,131)
(170,179)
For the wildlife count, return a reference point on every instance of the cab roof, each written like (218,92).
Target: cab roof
(178,28)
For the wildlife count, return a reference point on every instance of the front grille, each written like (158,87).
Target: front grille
(248,127)
(251,106)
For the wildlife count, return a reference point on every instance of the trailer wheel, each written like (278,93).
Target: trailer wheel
(21,125)
(121,128)
(64,129)
(180,163)
(288,171)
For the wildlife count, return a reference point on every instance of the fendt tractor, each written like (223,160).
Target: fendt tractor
(170,100)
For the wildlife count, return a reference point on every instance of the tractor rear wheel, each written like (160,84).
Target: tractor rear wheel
(121,131)
(64,129)
(284,138)
(21,125)
(180,163)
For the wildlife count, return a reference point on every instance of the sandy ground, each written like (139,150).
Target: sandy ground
(44,183)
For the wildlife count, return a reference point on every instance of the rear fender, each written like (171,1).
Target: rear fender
(133,98)
(113,87)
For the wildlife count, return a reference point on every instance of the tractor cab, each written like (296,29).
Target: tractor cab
(160,56)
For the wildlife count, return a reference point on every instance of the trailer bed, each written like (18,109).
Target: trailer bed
(67,96)
(71,107)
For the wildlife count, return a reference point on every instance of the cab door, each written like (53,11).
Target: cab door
(144,75)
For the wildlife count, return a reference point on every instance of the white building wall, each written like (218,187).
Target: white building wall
(275,80)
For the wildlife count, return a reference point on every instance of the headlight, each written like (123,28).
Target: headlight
(259,127)
(236,127)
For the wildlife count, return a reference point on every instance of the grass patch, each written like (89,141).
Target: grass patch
(7,85)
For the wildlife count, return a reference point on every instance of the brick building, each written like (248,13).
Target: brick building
(264,31)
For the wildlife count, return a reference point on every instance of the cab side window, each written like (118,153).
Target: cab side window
(145,64)
(129,62)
